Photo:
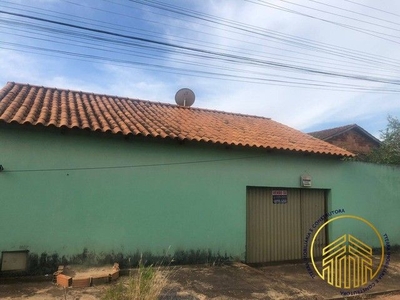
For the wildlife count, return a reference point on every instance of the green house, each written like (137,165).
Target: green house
(116,175)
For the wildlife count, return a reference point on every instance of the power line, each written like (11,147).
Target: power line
(377,34)
(264,33)
(219,55)
(361,57)
(374,8)
(91,37)
(104,47)
(342,16)
(355,12)
(331,86)
(131,166)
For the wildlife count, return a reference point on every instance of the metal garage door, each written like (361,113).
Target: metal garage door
(278,220)
(312,208)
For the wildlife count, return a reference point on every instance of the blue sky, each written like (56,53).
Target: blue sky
(309,64)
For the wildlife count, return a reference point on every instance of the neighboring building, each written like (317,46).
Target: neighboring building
(116,175)
(350,137)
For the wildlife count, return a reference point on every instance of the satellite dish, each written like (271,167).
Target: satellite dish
(185,97)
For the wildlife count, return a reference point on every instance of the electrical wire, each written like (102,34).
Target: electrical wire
(264,33)
(345,51)
(374,8)
(153,165)
(89,45)
(339,15)
(88,34)
(374,33)
(212,54)
(356,12)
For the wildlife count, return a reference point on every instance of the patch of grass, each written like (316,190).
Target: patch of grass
(143,283)
(190,257)
(116,292)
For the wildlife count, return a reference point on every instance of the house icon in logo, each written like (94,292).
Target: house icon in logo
(347,262)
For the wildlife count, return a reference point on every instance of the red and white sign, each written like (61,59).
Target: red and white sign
(279,192)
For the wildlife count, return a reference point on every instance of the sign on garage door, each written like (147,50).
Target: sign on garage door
(278,220)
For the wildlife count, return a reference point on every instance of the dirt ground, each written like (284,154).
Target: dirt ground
(230,281)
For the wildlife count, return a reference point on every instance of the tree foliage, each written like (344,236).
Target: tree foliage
(389,151)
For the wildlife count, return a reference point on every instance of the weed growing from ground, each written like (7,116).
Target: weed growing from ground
(143,283)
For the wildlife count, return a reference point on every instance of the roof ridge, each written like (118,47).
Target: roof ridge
(334,128)
(329,133)
(139,100)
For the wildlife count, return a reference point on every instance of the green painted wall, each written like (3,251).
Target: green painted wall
(160,197)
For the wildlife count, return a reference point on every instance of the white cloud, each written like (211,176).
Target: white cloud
(304,109)
(135,83)
(16,66)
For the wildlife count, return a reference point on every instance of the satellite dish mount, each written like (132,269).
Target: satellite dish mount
(185,97)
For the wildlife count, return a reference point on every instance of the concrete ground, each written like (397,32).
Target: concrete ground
(233,281)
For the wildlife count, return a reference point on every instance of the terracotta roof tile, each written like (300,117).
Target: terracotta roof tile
(27,104)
